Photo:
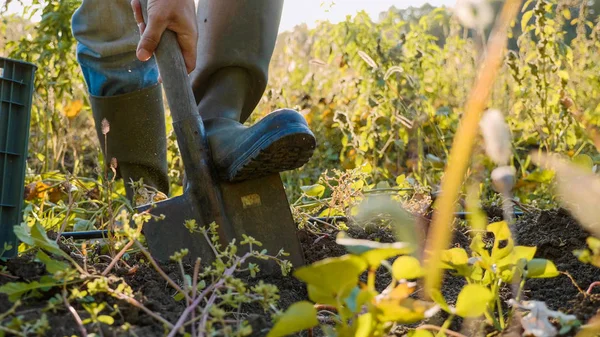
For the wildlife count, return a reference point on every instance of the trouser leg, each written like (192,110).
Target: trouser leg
(123,90)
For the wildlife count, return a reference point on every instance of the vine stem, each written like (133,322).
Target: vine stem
(117,258)
(462,146)
(139,305)
(74,313)
(437,328)
(228,272)
(14,332)
(159,270)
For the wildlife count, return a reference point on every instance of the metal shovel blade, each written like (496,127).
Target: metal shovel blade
(257,208)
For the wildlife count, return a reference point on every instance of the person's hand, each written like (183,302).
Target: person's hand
(178,16)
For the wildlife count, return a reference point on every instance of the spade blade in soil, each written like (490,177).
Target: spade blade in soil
(257,208)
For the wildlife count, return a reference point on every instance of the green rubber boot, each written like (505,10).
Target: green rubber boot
(136,136)
(235,44)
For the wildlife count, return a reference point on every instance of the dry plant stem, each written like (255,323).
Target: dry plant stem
(75,314)
(11,331)
(117,258)
(195,290)
(69,207)
(159,270)
(462,146)
(202,324)
(212,287)
(9,276)
(205,234)
(573,281)
(139,305)
(437,328)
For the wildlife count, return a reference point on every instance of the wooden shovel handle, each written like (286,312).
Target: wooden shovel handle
(174,74)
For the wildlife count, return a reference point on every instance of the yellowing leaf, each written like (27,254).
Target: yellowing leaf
(337,275)
(374,257)
(567,13)
(36,190)
(472,300)
(299,316)
(525,20)
(315,191)
(106,319)
(437,297)
(503,242)
(364,325)
(451,258)
(541,268)
(400,180)
(321,296)
(406,311)
(407,267)
(73,109)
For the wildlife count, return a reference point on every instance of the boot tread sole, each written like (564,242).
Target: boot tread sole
(286,153)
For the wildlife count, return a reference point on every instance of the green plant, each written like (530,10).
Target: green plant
(356,308)
(492,265)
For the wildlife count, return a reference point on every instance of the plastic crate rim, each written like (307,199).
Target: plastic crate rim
(19,61)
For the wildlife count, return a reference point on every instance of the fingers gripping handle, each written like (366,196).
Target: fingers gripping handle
(174,74)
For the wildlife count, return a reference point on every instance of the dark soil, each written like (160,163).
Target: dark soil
(555,234)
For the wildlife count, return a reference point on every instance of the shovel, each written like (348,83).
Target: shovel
(257,208)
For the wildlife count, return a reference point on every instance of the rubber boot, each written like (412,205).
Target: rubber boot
(136,137)
(235,44)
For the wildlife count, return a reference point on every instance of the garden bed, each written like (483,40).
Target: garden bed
(555,233)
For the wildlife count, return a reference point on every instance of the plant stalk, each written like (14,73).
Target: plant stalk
(462,147)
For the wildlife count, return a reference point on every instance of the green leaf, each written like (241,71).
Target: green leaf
(83,225)
(336,275)
(315,191)
(37,238)
(52,266)
(357,298)
(15,290)
(299,316)
(321,296)
(584,161)
(179,296)
(360,246)
(540,176)
(407,268)
(473,300)
(541,268)
(106,319)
